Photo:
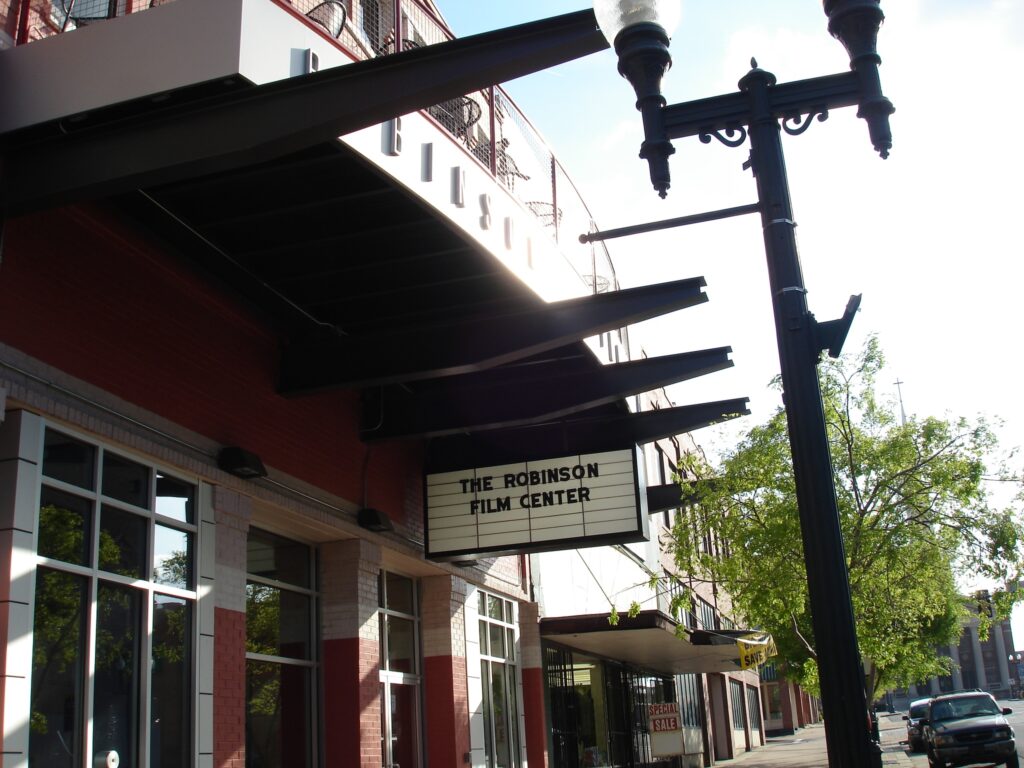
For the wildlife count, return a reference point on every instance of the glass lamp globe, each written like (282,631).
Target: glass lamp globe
(613,16)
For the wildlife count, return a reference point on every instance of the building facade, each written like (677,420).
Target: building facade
(230,362)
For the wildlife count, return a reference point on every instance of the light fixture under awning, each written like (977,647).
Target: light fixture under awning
(649,640)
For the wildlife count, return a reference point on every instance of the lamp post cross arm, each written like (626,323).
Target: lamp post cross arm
(788,100)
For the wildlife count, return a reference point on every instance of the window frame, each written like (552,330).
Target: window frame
(389,677)
(511,674)
(147,588)
(312,663)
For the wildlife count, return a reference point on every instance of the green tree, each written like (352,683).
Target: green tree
(914,512)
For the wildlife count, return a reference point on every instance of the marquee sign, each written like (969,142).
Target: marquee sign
(532,506)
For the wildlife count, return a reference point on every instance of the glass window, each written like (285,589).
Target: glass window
(278,714)
(123,542)
(399,593)
(65,527)
(736,703)
(499,677)
(129,699)
(170,697)
(58,669)
(172,557)
(401,641)
(280,665)
(175,499)
(690,698)
(69,460)
(276,558)
(116,693)
(125,480)
(705,615)
(278,622)
(753,710)
(496,644)
(494,608)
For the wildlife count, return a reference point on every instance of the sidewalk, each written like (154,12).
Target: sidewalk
(806,748)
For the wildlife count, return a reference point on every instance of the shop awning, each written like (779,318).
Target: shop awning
(649,641)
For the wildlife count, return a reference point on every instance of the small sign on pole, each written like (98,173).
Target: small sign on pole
(665,728)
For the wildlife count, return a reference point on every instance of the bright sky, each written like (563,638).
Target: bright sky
(928,236)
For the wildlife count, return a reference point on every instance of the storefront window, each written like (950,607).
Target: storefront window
(690,700)
(112,667)
(753,710)
(280,661)
(737,703)
(399,675)
(598,710)
(773,701)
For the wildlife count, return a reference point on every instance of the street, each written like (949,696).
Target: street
(806,748)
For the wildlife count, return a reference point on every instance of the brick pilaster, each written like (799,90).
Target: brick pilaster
(532,665)
(445,684)
(232,513)
(351,653)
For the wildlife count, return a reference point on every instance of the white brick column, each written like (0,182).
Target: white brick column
(20,451)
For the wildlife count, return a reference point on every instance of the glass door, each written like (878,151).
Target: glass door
(399,675)
(400,726)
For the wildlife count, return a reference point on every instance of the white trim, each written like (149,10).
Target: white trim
(19,497)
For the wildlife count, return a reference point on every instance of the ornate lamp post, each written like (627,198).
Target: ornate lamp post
(759,111)
(1016,660)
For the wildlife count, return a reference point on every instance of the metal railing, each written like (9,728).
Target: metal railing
(495,132)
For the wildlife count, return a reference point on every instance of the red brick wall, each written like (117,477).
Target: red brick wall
(536,727)
(446,702)
(83,294)
(351,704)
(229,690)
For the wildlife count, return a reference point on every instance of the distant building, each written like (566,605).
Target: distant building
(787,706)
(987,664)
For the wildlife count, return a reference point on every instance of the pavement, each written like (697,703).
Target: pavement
(806,748)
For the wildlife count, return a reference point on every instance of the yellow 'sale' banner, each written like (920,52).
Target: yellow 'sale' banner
(755,651)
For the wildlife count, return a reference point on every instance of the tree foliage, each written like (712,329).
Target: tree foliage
(914,512)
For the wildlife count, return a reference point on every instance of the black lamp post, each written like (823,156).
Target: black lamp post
(1016,660)
(759,110)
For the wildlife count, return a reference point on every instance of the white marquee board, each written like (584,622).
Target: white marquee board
(560,503)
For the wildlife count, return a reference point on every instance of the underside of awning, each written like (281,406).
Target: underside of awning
(648,641)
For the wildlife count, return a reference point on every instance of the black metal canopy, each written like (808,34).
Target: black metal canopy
(556,385)
(371,290)
(367,286)
(592,431)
